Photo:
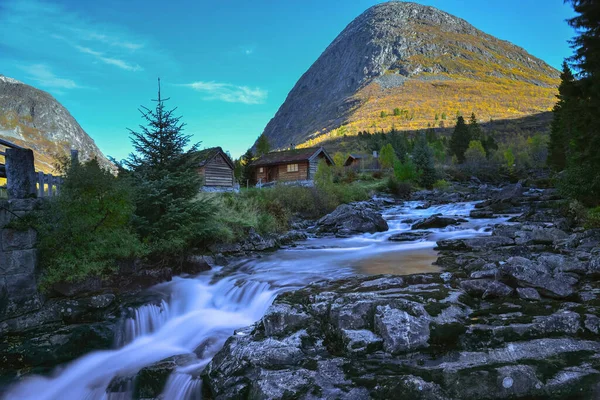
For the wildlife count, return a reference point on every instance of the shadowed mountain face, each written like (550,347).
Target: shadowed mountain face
(34,119)
(427,64)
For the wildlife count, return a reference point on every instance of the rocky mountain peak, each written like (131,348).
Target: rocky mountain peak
(34,119)
(389,45)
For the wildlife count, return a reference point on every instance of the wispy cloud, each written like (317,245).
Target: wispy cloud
(43,75)
(109,60)
(229,93)
(44,27)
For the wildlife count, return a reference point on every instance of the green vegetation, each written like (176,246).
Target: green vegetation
(87,229)
(460,139)
(424,162)
(168,216)
(387,156)
(262,145)
(575,138)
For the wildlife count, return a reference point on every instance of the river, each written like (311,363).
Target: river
(199,313)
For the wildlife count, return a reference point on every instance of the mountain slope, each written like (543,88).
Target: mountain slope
(428,64)
(34,119)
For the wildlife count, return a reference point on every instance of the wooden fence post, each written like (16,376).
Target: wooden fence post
(40,179)
(20,173)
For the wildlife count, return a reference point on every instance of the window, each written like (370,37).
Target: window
(292,168)
(260,170)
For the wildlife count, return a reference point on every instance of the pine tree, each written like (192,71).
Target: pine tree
(474,128)
(424,162)
(262,145)
(460,139)
(247,176)
(168,216)
(562,122)
(582,178)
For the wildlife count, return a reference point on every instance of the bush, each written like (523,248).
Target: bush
(592,220)
(406,171)
(324,175)
(441,185)
(399,189)
(377,174)
(86,230)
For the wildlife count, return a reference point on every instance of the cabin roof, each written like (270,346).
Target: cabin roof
(359,156)
(290,156)
(204,156)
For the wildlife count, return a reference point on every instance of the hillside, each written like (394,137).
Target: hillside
(410,66)
(33,118)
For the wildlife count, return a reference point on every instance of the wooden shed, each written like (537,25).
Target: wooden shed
(290,165)
(362,162)
(216,168)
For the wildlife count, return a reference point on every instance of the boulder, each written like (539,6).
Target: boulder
(352,219)
(282,318)
(409,237)
(486,288)
(481,214)
(437,221)
(526,273)
(509,193)
(528,294)
(401,331)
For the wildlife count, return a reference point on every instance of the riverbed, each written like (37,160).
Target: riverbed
(199,313)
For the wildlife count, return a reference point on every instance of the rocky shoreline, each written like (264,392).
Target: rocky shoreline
(513,315)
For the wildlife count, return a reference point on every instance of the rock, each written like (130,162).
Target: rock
(401,332)
(486,288)
(528,294)
(291,237)
(282,318)
(539,235)
(592,323)
(528,274)
(475,244)
(150,381)
(194,265)
(102,301)
(352,219)
(361,341)
(481,214)
(509,193)
(13,239)
(409,237)
(437,221)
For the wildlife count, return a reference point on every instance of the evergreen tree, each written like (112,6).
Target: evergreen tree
(474,128)
(582,178)
(562,120)
(262,145)
(424,162)
(167,215)
(247,176)
(460,139)
(387,156)
(489,144)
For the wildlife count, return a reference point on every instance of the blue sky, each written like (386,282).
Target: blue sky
(227,65)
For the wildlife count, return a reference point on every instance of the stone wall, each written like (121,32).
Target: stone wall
(18,262)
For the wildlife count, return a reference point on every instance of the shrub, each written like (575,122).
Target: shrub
(377,174)
(406,171)
(324,175)
(475,158)
(424,163)
(86,230)
(441,185)
(387,156)
(592,220)
(399,189)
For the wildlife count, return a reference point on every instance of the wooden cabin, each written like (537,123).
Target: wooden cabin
(362,162)
(216,168)
(290,165)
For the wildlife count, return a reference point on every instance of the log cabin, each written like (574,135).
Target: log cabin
(290,165)
(362,162)
(216,168)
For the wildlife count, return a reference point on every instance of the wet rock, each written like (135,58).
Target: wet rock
(282,318)
(481,214)
(509,193)
(351,219)
(150,381)
(437,221)
(102,301)
(361,341)
(539,235)
(409,237)
(528,294)
(401,332)
(475,244)
(592,323)
(486,288)
(291,237)
(529,274)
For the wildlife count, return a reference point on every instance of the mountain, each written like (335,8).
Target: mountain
(32,118)
(407,66)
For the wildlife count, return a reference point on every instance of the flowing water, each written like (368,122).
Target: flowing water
(199,313)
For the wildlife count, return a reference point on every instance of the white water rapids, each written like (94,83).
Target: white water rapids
(200,313)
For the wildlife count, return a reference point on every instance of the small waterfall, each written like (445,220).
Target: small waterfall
(183,386)
(147,319)
(199,314)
